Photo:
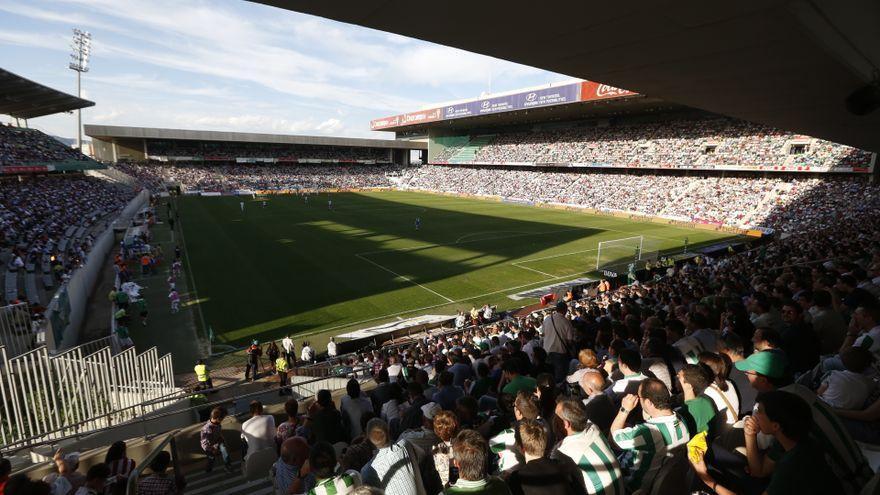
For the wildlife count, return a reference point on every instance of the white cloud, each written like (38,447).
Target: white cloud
(243,66)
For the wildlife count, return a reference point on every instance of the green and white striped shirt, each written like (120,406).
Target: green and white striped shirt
(592,454)
(504,446)
(337,485)
(841,452)
(646,446)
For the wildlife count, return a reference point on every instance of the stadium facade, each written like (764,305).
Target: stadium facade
(586,113)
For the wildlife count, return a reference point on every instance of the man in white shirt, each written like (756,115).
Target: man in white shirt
(258,432)
(306,353)
(287,345)
(331,348)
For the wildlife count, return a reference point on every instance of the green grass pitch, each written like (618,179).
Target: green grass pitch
(300,268)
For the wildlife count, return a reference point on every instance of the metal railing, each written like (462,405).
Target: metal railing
(55,436)
(45,397)
(16,330)
(171,443)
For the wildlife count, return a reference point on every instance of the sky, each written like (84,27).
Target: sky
(238,66)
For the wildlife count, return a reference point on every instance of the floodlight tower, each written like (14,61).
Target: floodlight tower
(79,61)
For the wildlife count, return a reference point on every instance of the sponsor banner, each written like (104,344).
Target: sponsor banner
(385,123)
(591,90)
(216,158)
(211,193)
(559,95)
(287,159)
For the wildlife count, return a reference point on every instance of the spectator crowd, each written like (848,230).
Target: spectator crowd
(666,142)
(20,146)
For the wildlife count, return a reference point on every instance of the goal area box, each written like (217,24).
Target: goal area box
(616,255)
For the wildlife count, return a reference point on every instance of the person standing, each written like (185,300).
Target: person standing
(281,368)
(241,205)
(258,432)
(203,375)
(272,352)
(254,353)
(211,440)
(331,348)
(558,339)
(288,347)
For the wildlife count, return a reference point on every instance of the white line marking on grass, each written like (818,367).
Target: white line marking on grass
(404,277)
(517,264)
(558,255)
(190,273)
(457,242)
(414,310)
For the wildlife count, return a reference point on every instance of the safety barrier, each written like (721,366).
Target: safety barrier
(45,396)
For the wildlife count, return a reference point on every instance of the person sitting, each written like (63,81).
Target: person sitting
(800,466)
(159,482)
(851,387)
(289,466)
(539,474)
(587,447)
(448,393)
(646,446)
(469,452)
(699,410)
(322,466)
(394,468)
(599,409)
(96,479)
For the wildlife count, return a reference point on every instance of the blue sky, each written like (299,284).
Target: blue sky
(236,65)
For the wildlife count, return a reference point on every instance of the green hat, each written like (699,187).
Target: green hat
(768,363)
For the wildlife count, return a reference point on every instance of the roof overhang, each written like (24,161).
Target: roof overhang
(25,99)
(109,132)
(789,64)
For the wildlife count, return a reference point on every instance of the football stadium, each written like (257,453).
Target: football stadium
(656,272)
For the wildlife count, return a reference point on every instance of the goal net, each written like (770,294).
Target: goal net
(616,255)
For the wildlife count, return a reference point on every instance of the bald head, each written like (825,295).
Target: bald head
(294,451)
(592,383)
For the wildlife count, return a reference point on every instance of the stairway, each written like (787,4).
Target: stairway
(468,152)
(219,482)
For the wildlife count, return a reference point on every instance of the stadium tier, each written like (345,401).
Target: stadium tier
(708,143)
(29,150)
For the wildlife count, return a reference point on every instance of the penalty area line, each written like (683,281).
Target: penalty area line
(404,277)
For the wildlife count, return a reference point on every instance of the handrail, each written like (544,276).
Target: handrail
(21,444)
(131,482)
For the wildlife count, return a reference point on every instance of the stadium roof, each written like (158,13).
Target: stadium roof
(788,64)
(25,99)
(123,132)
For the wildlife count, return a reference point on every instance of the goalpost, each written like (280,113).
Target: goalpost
(619,253)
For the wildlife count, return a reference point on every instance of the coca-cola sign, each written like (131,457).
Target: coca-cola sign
(597,91)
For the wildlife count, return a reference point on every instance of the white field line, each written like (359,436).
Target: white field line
(457,242)
(190,273)
(558,255)
(516,264)
(403,277)
(414,310)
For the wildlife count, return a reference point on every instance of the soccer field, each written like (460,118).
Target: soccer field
(300,268)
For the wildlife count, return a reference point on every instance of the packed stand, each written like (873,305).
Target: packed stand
(262,177)
(687,142)
(19,146)
(228,151)
(755,372)
(781,201)
(53,219)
